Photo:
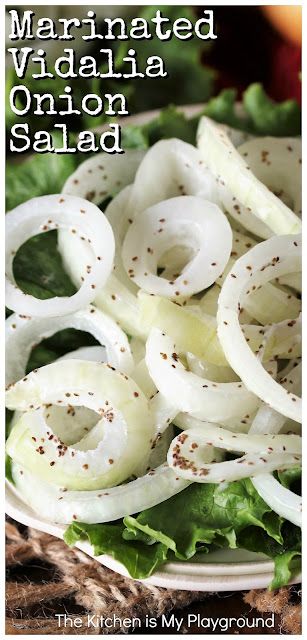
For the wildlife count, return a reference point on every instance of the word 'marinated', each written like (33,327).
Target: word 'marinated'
(114,28)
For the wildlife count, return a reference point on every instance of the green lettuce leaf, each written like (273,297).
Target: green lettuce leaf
(37,176)
(208,513)
(134,137)
(140,560)
(259,114)
(39,270)
(199,519)
(222,109)
(171,123)
(269,117)
(291,478)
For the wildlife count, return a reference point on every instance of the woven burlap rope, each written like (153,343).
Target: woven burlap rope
(91,588)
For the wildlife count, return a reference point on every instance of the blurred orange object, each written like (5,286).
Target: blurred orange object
(287,19)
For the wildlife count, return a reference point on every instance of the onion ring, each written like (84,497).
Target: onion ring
(170,168)
(280,499)
(190,450)
(103,175)
(109,453)
(42,214)
(269,259)
(230,168)
(56,504)
(189,393)
(184,220)
(196,332)
(22,333)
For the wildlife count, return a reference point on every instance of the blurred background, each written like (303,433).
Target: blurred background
(259,44)
(254,44)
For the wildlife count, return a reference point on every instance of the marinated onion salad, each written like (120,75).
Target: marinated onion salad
(189,282)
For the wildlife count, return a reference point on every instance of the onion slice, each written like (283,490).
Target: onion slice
(22,333)
(267,304)
(77,216)
(287,504)
(103,175)
(109,453)
(267,260)
(196,332)
(199,397)
(188,454)
(188,221)
(276,162)
(92,354)
(170,168)
(281,500)
(57,504)
(230,167)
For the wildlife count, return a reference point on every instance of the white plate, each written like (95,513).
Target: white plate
(225,570)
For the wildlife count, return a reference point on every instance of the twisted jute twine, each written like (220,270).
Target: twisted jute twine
(78,584)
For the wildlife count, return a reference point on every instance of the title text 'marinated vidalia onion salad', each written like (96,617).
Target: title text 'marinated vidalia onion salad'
(176,430)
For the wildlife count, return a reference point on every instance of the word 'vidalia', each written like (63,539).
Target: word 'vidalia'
(67,66)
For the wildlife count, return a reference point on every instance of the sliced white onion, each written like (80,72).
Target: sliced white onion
(277,163)
(114,298)
(188,454)
(92,354)
(268,420)
(230,168)
(103,175)
(137,347)
(187,392)
(287,504)
(205,369)
(185,421)
(57,504)
(109,453)
(236,136)
(269,259)
(292,280)
(108,174)
(23,333)
(240,423)
(142,378)
(196,332)
(162,411)
(116,212)
(75,215)
(207,303)
(184,220)
(281,500)
(170,168)
(266,304)
(160,448)
(70,423)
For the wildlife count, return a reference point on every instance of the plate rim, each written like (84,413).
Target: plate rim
(219,576)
